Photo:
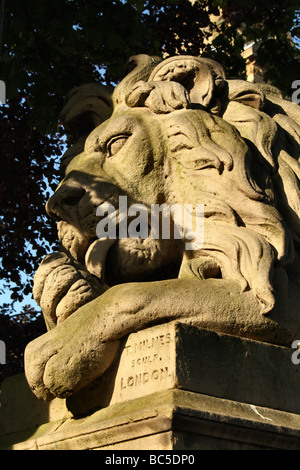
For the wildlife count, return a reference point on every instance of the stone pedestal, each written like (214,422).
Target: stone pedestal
(173,387)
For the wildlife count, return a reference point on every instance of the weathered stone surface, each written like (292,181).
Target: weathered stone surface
(21,414)
(172,420)
(174,386)
(176,355)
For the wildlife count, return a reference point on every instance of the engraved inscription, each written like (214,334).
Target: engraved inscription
(146,361)
(144,377)
(148,343)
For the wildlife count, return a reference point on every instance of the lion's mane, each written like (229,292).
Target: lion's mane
(252,221)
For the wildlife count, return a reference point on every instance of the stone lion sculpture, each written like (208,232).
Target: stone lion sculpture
(173,132)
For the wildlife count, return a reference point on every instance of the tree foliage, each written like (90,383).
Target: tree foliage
(182,27)
(275,25)
(18,331)
(49,47)
(27,171)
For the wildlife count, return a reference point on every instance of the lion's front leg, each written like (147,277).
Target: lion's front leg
(80,349)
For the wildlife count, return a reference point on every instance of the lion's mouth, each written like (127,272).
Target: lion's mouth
(114,261)
(95,254)
(91,253)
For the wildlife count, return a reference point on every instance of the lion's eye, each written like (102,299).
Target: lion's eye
(115,144)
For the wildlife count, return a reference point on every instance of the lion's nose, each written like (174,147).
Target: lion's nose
(63,200)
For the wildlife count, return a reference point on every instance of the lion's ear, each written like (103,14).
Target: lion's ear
(246,93)
(253,125)
(85,108)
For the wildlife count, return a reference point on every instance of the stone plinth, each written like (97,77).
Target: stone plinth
(173,387)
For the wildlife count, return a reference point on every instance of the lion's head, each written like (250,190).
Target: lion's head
(179,133)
